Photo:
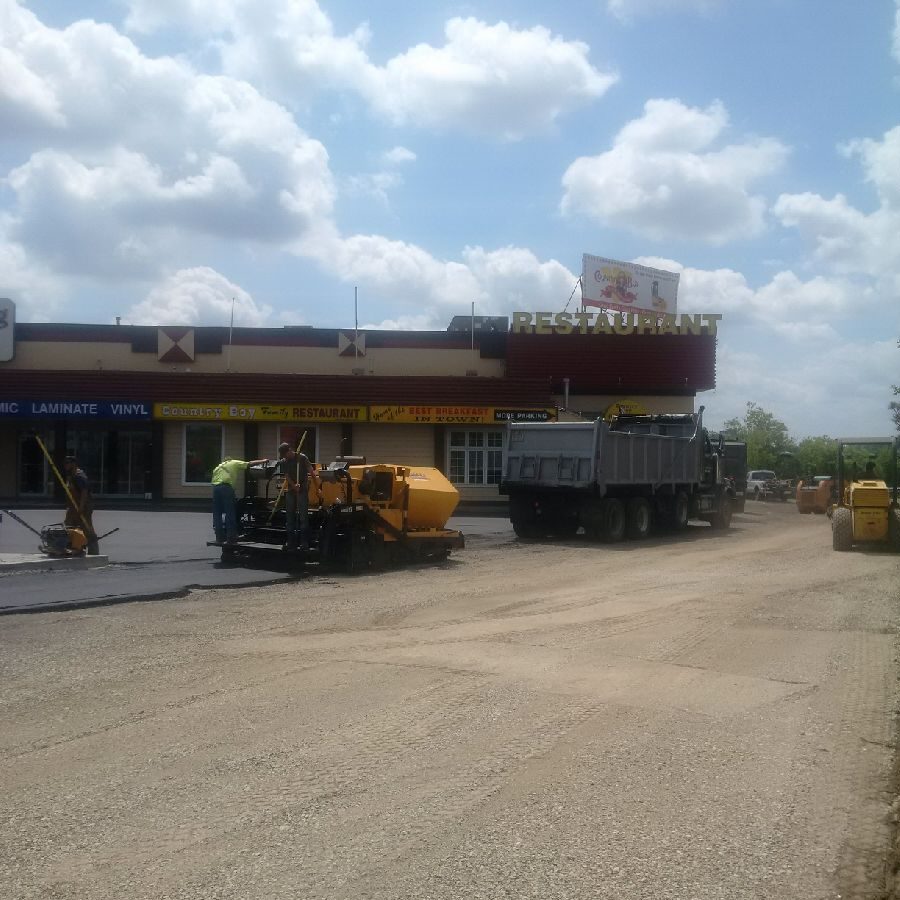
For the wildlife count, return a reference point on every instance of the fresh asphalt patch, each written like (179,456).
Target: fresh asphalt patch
(28,592)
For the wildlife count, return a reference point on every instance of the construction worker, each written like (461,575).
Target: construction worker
(80,503)
(224,477)
(297,470)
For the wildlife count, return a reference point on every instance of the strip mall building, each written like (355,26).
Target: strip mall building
(149,411)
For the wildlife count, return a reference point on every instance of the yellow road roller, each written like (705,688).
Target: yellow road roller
(866,511)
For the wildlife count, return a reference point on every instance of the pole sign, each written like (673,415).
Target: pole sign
(7,329)
(612,284)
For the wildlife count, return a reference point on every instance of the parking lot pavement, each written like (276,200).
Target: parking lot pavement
(143,535)
(154,555)
(54,590)
(703,717)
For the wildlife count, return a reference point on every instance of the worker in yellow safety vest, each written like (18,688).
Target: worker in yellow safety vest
(224,477)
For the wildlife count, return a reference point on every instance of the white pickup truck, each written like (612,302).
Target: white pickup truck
(763,484)
(756,482)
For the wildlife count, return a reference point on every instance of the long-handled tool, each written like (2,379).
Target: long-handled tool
(21,521)
(284,484)
(87,529)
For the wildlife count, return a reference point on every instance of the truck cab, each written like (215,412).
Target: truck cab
(757,479)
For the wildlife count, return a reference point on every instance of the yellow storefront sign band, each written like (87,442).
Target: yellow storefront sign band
(259,412)
(457,415)
(387,415)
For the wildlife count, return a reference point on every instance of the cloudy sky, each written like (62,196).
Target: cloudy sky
(161,157)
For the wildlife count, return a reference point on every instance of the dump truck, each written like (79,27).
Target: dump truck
(615,479)
(866,511)
(361,517)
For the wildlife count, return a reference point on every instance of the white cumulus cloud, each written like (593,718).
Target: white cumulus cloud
(198,296)
(848,240)
(666,177)
(499,281)
(398,155)
(140,155)
(490,79)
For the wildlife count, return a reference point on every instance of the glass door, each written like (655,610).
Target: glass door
(129,463)
(34,472)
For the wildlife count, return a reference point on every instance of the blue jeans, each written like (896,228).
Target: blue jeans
(224,508)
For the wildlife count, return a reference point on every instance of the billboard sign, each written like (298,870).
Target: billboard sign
(7,329)
(612,284)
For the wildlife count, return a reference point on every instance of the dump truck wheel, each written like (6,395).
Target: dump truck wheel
(637,519)
(677,511)
(721,520)
(682,511)
(842,529)
(613,520)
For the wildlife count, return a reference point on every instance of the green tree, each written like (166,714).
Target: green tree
(766,437)
(817,456)
(894,405)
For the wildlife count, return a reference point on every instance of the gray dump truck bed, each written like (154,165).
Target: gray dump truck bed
(638,450)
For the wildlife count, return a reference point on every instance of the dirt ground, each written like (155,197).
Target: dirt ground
(705,717)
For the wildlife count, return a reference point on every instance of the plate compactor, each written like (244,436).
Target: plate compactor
(56,540)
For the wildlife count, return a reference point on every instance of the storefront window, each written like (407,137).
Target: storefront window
(476,457)
(203,451)
(116,462)
(33,469)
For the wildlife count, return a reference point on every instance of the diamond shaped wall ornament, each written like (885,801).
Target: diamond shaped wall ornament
(175,345)
(351,343)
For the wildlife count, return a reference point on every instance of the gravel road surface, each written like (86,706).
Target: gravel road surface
(704,717)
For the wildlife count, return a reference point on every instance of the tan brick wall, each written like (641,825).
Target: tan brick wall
(411,445)
(307,360)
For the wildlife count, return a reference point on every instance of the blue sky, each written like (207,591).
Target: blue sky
(161,157)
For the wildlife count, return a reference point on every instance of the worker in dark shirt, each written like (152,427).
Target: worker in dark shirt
(80,504)
(297,470)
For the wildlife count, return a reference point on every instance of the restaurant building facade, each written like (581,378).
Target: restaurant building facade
(149,411)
